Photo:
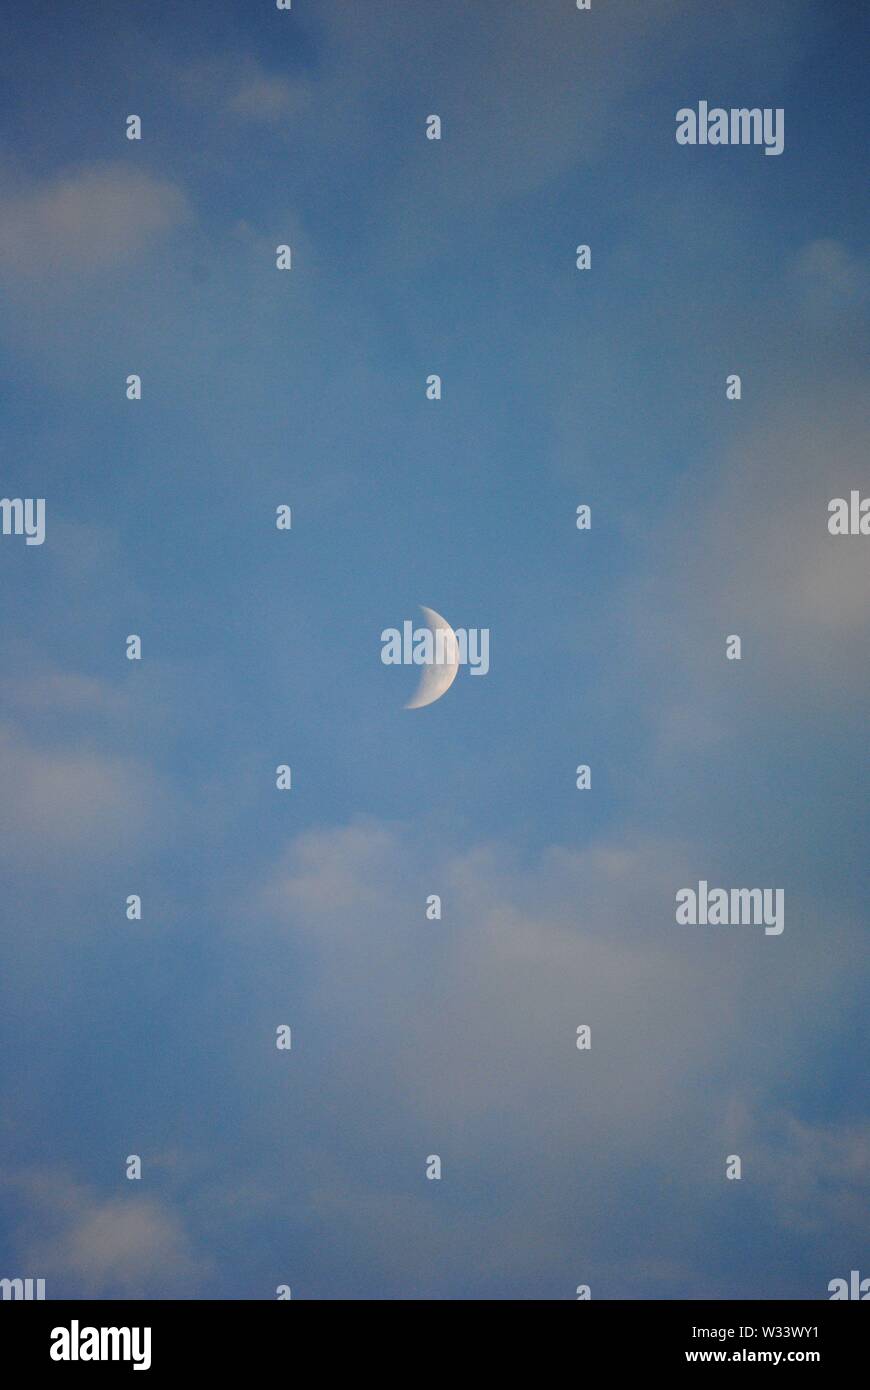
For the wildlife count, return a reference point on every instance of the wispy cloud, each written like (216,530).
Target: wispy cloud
(233,85)
(86,220)
(127,1246)
(64,801)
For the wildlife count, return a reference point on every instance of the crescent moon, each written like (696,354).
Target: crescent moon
(439,675)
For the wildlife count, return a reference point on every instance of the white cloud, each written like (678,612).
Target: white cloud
(817,1175)
(70,802)
(86,219)
(130,1246)
(831,275)
(264,98)
(61,692)
(241,87)
(458,1037)
(749,553)
(522,956)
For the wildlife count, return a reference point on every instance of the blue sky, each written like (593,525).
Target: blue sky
(262,647)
